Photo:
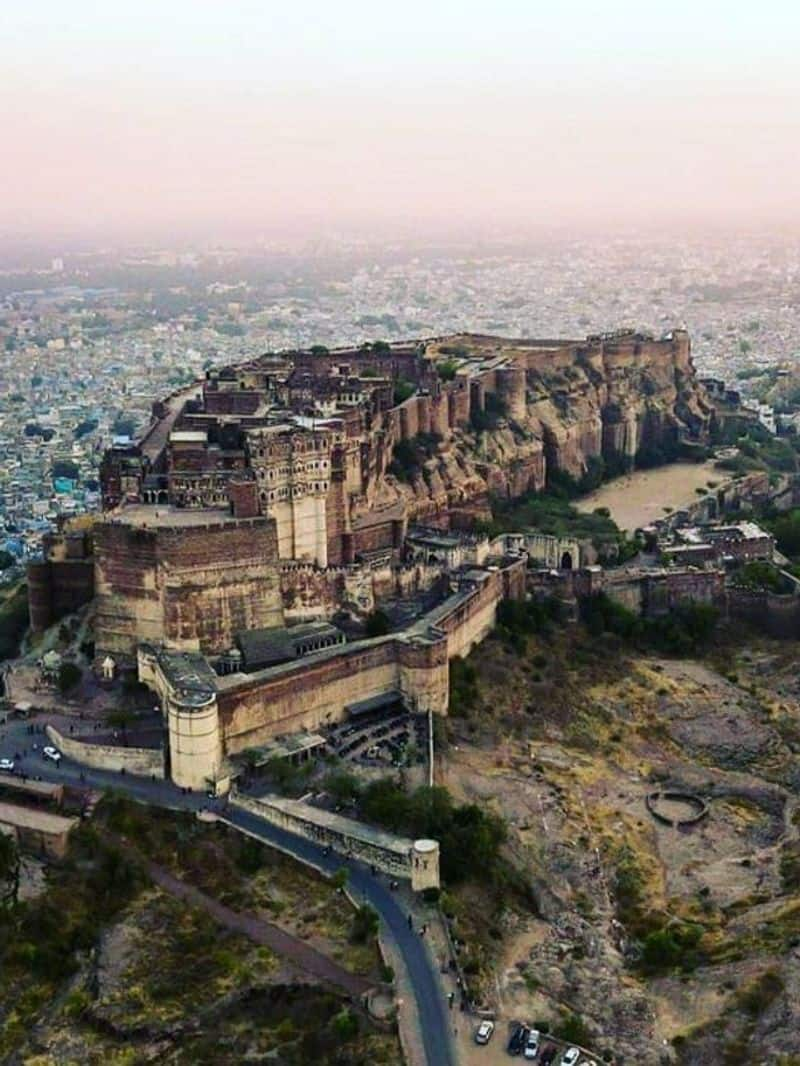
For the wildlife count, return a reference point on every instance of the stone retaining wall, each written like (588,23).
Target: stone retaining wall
(144,762)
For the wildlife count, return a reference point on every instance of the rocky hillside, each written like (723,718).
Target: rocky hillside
(529,408)
(657,943)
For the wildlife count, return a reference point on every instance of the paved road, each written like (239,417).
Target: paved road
(431,1008)
(433,1015)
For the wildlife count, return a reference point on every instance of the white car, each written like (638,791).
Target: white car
(570,1056)
(52,753)
(531,1049)
(7,765)
(483,1034)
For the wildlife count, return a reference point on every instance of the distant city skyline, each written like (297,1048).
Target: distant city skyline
(203,117)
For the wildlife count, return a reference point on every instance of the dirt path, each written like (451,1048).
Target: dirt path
(271,936)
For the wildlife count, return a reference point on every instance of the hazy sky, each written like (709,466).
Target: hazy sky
(211,113)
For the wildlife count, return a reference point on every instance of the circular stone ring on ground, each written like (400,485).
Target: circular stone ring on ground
(676,808)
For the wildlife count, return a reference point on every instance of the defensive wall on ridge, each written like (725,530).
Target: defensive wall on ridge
(316,690)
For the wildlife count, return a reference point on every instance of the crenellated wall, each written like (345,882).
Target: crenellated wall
(315,691)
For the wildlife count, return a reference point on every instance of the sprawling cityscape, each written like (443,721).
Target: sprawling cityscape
(399,534)
(92,339)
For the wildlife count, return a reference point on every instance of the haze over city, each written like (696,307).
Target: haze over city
(146,120)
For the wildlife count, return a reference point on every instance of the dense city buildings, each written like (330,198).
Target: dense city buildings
(90,340)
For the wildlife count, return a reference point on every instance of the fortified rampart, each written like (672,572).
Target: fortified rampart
(777,614)
(316,690)
(146,762)
(649,593)
(416,860)
(63,580)
(190,585)
(319,436)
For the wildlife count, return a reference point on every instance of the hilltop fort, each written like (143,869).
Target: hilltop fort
(310,487)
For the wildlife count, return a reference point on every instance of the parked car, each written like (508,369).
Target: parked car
(516,1042)
(549,1052)
(483,1034)
(7,765)
(52,753)
(532,1044)
(570,1056)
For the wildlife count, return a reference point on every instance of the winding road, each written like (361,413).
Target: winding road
(431,1008)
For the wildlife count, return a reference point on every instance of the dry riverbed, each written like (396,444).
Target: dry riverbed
(639,498)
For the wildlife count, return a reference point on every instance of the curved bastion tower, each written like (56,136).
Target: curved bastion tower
(185,684)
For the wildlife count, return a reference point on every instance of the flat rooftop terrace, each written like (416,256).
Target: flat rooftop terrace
(163,516)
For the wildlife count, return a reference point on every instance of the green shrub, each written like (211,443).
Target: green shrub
(377,624)
(69,675)
(365,924)
(345,1025)
(469,837)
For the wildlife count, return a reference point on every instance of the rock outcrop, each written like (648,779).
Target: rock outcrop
(525,409)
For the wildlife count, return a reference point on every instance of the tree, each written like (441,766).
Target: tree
(9,871)
(342,786)
(377,624)
(318,349)
(341,877)
(66,468)
(123,426)
(365,924)
(88,425)
(69,676)
(345,1025)
(402,391)
(447,369)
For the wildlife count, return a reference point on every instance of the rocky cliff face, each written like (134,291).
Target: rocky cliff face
(525,409)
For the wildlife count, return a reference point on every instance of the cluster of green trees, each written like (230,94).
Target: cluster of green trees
(685,629)
(66,468)
(552,512)
(33,429)
(469,837)
(44,936)
(378,624)
(670,946)
(786,530)
(463,687)
(447,369)
(494,409)
(759,575)
(83,428)
(519,619)
(123,426)
(69,676)
(409,455)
